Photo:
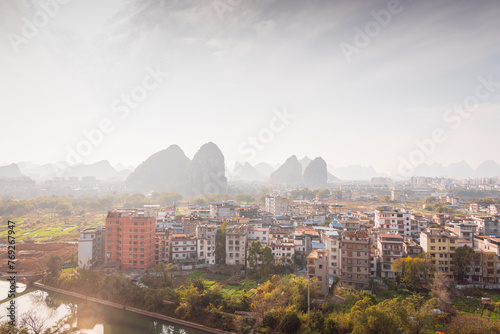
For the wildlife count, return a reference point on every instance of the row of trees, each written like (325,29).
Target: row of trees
(419,272)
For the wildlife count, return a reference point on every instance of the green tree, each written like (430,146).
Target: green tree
(331,327)
(64,208)
(54,265)
(290,323)
(372,319)
(220,244)
(462,259)
(415,271)
(471,324)
(267,260)
(254,250)
(245,198)
(325,193)
(168,199)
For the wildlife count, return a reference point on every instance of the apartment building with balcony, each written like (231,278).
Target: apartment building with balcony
(236,245)
(283,251)
(278,205)
(491,261)
(317,267)
(440,245)
(390,248)
(205,234)
(183,248)
(91,247)
(393,221)
(162,245)
(260,234)
(355,259)
(487,225)
(130,239)
(331,240)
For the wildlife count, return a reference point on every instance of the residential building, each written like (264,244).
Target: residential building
(91,247)
(390,248)
(236,242)
(162,246)
(393,221)
(490,246)
(130,239)
(189,225)
(206,243)
(440,245)
(278,205)
(283,252)
(183,248)
(317,267)
(331,240)
(411,248)
(221,210)
(487,225)
(258,234)
(464,229)
(355,259)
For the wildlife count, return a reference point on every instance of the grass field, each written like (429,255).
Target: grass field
(245,288)
(52,227)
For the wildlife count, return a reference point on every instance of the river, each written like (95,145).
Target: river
(88,317)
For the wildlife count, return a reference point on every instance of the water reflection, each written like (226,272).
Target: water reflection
(89,317)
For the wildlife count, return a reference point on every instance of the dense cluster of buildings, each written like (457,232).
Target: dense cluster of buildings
(327,239)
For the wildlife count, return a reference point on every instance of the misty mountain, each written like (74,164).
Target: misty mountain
(206,172)
(353,172)
(458,170)
(163,171)
(304,162)
(9,171)
(433,170)
(101,170)
(316,174)
(488,168)
(332,178)
(38,172)
(247,172)
(289,173)
(264,168)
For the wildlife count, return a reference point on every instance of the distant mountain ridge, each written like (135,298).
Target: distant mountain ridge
(462,169)
(175,164)
(172,170)
(9,171)
(101,170)
(290,173)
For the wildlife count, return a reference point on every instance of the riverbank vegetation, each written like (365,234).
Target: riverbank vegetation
(279,304)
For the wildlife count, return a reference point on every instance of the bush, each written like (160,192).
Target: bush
(271,319)
(330,327)
(290,323)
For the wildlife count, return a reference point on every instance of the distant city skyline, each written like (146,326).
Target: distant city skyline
(366,83)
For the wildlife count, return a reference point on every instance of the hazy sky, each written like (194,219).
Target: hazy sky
(363,80)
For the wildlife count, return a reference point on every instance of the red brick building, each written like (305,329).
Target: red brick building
(130,239)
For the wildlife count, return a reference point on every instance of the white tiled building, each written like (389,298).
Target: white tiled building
(397,221)
(236,240)
(206,243)
(278,205)
(258,234)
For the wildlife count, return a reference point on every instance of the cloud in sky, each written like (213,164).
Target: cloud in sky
(228,72)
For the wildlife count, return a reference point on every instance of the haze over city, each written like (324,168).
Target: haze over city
(362,87)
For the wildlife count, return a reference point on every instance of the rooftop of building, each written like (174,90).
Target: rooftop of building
(315,254)
(317,245)
(391,236)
